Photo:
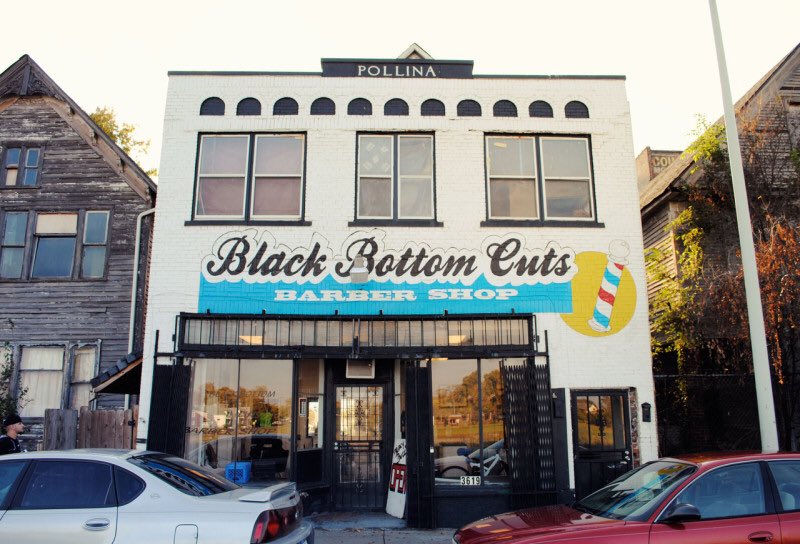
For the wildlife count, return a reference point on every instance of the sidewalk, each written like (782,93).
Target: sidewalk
(372,528)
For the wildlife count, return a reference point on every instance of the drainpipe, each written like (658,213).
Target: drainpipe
(135,284)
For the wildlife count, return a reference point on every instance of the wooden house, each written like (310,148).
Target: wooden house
(75,224)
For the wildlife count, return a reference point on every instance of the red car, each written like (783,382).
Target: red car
(708,499)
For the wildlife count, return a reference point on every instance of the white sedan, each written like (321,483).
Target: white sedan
(113,496)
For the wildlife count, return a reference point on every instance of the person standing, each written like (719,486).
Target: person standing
(13,427)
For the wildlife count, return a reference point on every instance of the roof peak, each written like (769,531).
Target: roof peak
(414,51)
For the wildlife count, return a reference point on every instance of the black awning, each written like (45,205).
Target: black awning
(122,378)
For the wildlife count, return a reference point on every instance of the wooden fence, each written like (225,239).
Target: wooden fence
(67,429)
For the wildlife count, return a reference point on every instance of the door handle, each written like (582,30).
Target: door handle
(97,524)
(760,536)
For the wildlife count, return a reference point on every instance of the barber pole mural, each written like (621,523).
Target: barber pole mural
(617,259)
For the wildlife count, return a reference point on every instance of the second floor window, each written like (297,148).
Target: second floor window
(395,176)
(20,166)
(535,177)
(250,176)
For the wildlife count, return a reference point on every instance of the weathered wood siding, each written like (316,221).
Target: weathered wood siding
(658,236)
(73,177)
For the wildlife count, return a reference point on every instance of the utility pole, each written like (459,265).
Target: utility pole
(755,313)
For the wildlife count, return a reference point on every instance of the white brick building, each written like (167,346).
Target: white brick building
(487,210)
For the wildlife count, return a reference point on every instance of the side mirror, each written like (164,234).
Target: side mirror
(683,512)
(463,452)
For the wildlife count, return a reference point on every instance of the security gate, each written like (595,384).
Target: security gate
(601,438)
(358,447)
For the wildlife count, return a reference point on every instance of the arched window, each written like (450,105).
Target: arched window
(540,108)
(212,106)
(285,106)
(248,106)
(468,108)
(359,106)
(323,106)
(576,110)
(395,106)
(432,107)
(504,108)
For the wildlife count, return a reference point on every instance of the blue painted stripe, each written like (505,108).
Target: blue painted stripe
(603,320)
(611,278)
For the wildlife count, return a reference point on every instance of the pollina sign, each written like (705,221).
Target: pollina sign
(249,271)
(395,70)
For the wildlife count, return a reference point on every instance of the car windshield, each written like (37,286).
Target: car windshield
(182,474)
(634,496)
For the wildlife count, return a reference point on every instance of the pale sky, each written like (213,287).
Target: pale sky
(118,53)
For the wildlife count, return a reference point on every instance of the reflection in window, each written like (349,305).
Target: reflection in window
(727,492)
(241,411)
(601,422)
(55,245)
(309,392)
(458,392)
(12,247)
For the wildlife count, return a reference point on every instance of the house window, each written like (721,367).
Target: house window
(12,249)
(530,177)
(41,373)
(83,370)
(54,251)
(395,176)
(265,169)
(21,166)
(95,241)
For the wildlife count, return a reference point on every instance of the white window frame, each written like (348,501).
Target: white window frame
(206,217)
(395,193)
(251,186)
(534,178)
(589,180)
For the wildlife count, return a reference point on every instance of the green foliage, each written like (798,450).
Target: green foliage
(9,403)
(122,134)
(709,142)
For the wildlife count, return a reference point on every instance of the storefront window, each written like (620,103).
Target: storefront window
(241,411)
(309,403)
(468,420)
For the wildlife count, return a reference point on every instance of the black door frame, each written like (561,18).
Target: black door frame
(334,377)
(610,457)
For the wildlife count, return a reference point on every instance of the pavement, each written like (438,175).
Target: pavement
(372,528)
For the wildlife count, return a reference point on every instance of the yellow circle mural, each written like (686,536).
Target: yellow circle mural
(587,295)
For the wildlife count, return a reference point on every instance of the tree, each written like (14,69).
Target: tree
(122,135)
(700,316)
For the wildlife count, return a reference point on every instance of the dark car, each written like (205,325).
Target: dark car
(708,499)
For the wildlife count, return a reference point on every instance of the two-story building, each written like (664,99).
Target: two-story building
(400,255)
(75,223)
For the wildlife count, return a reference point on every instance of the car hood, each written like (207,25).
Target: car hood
(546,520)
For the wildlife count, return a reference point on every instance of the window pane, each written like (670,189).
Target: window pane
(308,406)
(44,391)
(223,155)
(276,196)
(416,198)
(375,155)
(220,196)
(265,417)
(30,176)
(279,155)
(80,394)
(53,257)
(726,492)
(94,261)
(12,156)
(495,455)
(32,157)
(128,486)
(15,229)
(11,262)
(511,157)
(69,484)
(95,228)
(563,158)
(787,478)
(416,156)
(568,199)
(42,359)
(211,416)
(9,472)
(57,223)
(375,197)
(513,198)
(455,416)
(11,176)
(83,367)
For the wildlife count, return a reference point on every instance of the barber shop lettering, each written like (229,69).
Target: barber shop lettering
(249,270)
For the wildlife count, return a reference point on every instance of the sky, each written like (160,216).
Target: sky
(118,54)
